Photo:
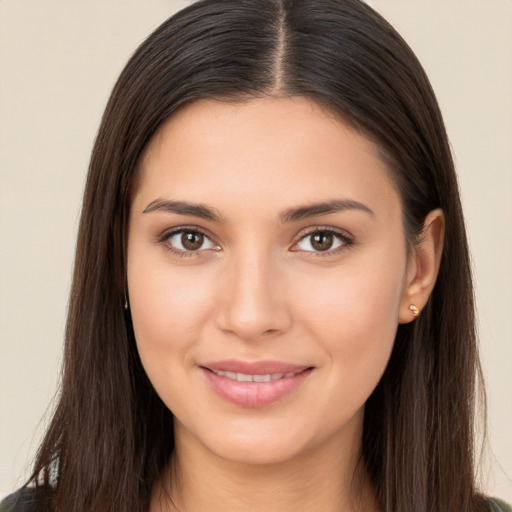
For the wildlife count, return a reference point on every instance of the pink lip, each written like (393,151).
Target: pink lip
(254,394)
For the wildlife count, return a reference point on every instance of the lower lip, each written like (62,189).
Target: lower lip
(254,394)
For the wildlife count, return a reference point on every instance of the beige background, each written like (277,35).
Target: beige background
(58,62)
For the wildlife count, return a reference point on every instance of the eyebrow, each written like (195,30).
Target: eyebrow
(291,215)
(324,208)
(183,208)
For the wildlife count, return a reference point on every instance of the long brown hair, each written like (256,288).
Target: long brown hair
(111,435)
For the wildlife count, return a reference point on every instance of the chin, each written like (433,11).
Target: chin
(267,442)
(257,453)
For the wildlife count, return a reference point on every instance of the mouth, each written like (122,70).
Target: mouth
(249,384)
(247,377)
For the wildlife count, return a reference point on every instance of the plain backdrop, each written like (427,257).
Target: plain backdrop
(58,62)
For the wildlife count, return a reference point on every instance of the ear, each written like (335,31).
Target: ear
(423,266)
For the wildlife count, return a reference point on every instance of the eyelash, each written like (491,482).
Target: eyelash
(164,239)
(345,239)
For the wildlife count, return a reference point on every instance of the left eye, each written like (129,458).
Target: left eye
(190,241)
(321,241)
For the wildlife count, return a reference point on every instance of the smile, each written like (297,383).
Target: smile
(254,385)
(245,377)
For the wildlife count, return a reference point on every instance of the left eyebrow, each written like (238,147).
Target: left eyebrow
(324,208)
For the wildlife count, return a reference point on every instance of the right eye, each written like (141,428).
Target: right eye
(187,241)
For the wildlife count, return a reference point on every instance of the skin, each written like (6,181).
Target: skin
(257,289)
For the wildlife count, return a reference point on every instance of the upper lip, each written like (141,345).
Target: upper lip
(254,367)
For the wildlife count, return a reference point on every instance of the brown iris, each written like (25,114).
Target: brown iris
(192,241)
(322,241)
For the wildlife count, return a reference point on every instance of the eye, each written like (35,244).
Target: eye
(188,241)
(323,240)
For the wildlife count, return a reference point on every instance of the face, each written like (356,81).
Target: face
(266,269)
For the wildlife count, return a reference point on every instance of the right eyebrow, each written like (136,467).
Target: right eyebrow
(183,208)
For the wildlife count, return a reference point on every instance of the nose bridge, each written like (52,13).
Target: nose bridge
(254,302)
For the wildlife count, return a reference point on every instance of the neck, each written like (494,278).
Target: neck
(331,478)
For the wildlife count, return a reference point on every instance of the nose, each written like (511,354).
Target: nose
(253,305)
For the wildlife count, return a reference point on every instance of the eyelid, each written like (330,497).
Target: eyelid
(346,238)
(168,233)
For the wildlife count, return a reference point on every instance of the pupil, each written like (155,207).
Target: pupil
(192,241)
(322,241)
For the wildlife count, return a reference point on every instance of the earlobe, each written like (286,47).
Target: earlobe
(424,263)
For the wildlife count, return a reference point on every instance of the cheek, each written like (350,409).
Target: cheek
(359,296)
(168,308)
(354,315)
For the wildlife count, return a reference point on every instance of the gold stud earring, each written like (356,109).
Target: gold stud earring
(414,310)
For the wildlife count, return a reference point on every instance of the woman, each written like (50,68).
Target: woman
(272,304)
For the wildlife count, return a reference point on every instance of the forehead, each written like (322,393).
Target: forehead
(268,150)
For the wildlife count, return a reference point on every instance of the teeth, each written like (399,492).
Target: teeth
(262,378)
(245,377)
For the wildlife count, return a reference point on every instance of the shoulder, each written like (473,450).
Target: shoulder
(497,505)
(24,500)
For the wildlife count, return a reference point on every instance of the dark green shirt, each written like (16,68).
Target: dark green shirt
(498,505)
(25,500)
